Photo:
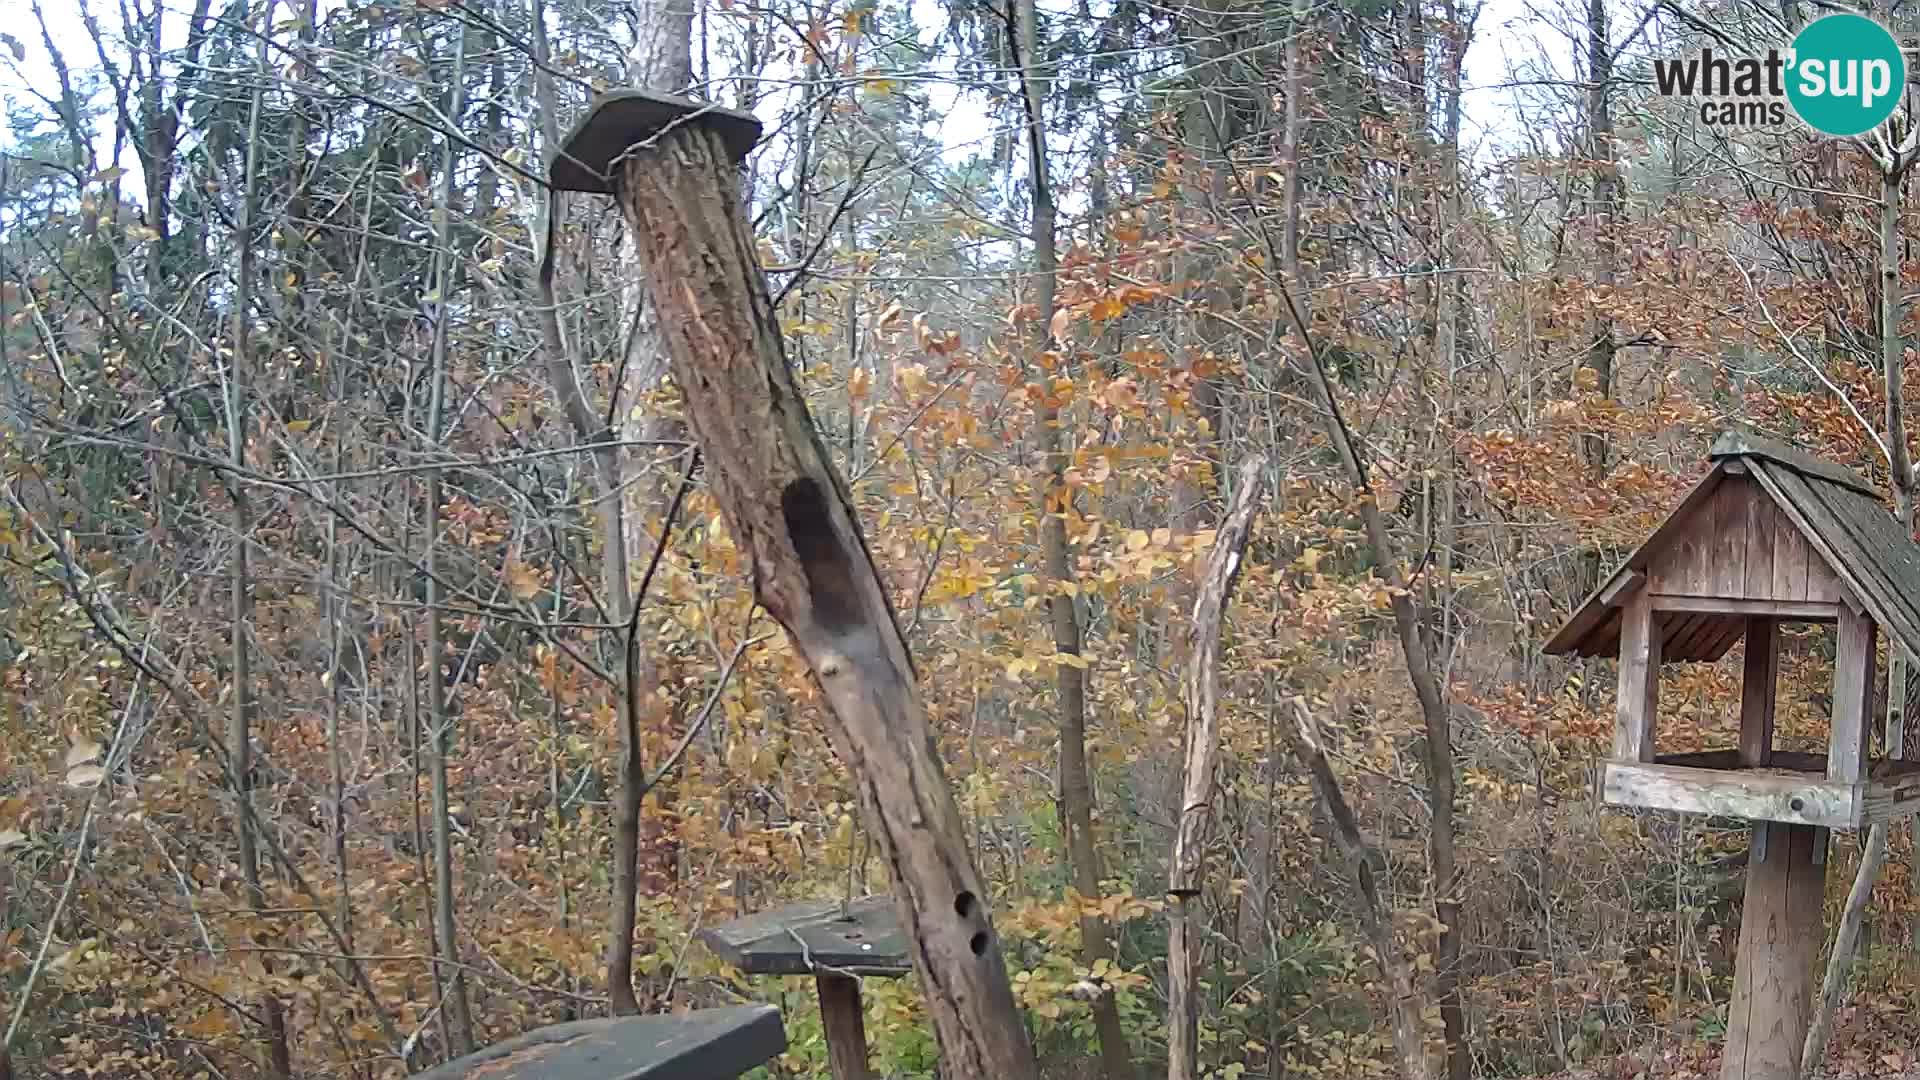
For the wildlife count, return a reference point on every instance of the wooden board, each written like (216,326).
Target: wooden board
(846,1026)
(1758,681)
(1853,677)
(1638,697)
(1798,799)
(800,939)
(1791,558)
(1794,610)
(1759,529)
(705,1044)
(1594,612)
(1780,936)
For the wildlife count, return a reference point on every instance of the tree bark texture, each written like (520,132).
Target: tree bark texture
(788,509)
(1202,694)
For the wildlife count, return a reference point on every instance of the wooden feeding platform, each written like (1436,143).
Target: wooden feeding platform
(1770,536)
(706,1044)
(835,943)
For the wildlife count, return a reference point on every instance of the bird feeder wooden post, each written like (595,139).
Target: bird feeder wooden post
(672,163)
(838,944)
(1771,535)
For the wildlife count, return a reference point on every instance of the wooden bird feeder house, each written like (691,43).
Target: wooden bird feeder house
(1770,536)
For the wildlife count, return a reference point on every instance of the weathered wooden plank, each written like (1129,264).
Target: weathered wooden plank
(1639,692)
(1593,612)
(1761,513)
(1712,628)
(846,1026)
(862,938)
(1793,610)
(1853,676)
(1675,631)
(1615,592)
(1726,548)
(1780,937)
(1759,677)
(1894,796)
(1745,444)
(1817,528)
(1685,565)
(1801,799)
(705,1044)
(1731,631)
(1790,557)
(1814,765)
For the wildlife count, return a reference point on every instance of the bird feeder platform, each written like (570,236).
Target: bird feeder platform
(705,1044)
(1770,536)
(835,943)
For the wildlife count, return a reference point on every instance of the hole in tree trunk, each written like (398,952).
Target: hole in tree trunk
(963,905)
(822,557)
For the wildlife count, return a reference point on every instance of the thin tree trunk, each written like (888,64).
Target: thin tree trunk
(662,60)
(1202,693)
(1076,786)
(563,368)
(240,719)
(440,724)
(1406,1007)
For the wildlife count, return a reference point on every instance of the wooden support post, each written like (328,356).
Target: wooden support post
(1757,688)
(1780,937)
(845,1025)
(1639,696)
(673,164)
(1853,675)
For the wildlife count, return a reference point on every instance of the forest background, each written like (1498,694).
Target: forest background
(315,576)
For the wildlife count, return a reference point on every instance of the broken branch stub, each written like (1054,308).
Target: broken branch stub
(787,507)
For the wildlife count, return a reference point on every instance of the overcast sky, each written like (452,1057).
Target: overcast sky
(1514,41)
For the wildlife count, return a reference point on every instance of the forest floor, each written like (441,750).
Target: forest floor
(1880,1046)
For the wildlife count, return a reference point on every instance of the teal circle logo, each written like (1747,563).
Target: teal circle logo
(1847,74)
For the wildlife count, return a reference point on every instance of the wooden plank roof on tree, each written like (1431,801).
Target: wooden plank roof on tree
(673,163)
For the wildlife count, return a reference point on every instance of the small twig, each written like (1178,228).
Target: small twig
(700,721)
(826,234)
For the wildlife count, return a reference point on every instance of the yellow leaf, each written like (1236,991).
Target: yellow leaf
(298,426)
(522,580)
(1137,540)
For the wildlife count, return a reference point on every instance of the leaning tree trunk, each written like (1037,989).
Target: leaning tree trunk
(1202,746)
(788,508)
